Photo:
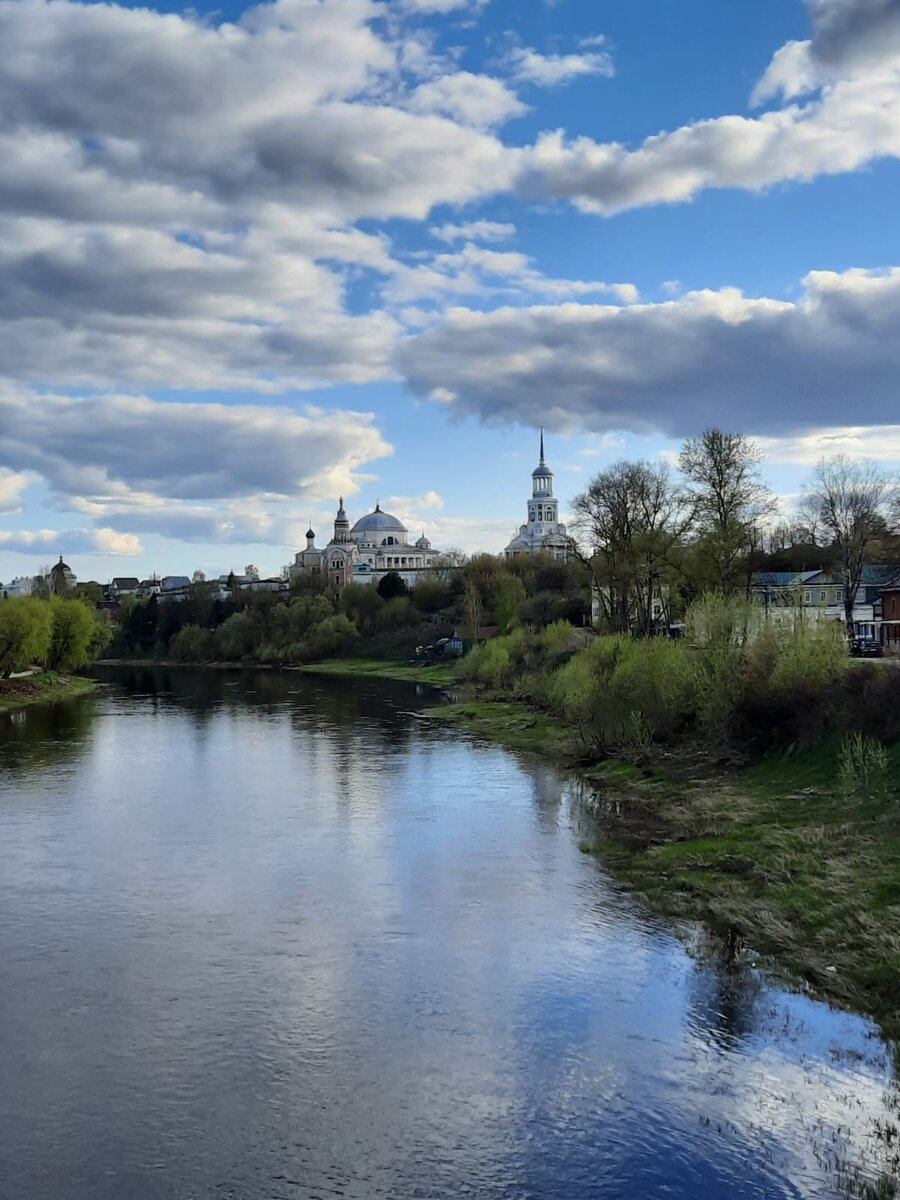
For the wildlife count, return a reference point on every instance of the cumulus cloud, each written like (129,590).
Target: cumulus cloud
(878,442)
(849,74)
(178,196)
(479,271)
(474,231)
(755,364)
(12,485)
(476,100)
(51,542)
(526,65)
(105,446)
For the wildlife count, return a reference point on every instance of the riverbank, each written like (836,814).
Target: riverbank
(41,689)
(773,850)
(356,668)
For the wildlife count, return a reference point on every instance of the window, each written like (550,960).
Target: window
(807,597)
(838,595)
(823,595)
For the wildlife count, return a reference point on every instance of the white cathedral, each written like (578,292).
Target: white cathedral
(542,533)
(377,544)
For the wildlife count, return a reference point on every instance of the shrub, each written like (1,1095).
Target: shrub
(392,585)
(334,635)
(863,765)
(25,633)
(74,634)
(193,644)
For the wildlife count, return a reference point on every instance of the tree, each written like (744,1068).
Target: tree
(192,644)
(392,585)
(729,502)
(849,502)
(446,565)
(630,521)
(431,595)
(198,577)
(507,597)
(362,604)
(252,572)
(74,631)
(25,632)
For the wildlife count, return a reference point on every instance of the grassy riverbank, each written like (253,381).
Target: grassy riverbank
(774,849)
(40,689)
(376,668)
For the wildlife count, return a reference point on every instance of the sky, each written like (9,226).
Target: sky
(253,258)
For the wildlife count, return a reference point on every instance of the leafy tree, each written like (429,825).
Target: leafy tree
(334,635)
(362,604)
(729,501)
(392,585)
(239,636)
(25,633)
(506,598)
(193,644)
(849,501)
(431,595)
(74,633)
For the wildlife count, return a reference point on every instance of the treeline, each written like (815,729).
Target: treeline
(655,537)
(734,681)
(389,620)
(56,633)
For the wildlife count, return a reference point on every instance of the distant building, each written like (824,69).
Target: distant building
(23,585)
(377,544)
(890,619)
(62,578)
(123,585)
(821,594)
(542,533)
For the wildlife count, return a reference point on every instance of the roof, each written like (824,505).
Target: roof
(783,578)
(378,522)
(125,581)
(171,582)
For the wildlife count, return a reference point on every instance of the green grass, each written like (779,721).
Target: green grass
(511,723)
(375,668)
(40,689)
(778,852)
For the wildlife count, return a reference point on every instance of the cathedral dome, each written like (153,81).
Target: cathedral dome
(378,522)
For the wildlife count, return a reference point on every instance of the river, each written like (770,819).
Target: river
(264,935)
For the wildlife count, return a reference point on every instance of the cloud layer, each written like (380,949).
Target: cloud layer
(758,365)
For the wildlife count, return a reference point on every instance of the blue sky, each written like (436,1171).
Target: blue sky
(251,258)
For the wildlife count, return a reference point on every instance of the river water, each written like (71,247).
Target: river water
(268,936)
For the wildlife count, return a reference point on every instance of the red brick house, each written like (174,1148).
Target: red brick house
(890,619)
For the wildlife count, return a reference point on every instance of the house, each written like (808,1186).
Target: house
(122,585)
(821,593)
(890,619)
(23,585)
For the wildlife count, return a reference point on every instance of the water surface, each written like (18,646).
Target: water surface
(269,936)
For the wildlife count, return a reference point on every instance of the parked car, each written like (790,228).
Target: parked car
(866,648)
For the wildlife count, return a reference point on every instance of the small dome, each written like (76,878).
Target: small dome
(543,472)
(423,543)
(378,522)
(310,534)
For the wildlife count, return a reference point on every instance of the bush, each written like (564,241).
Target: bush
(193,644)
(334,635)
(863,765)
(75,632)
(26,628)
(391,586)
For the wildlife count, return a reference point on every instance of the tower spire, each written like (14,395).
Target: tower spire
(542,446)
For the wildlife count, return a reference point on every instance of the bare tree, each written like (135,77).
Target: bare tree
(628,523)
(446,564)
(198,577)
(848,501)
(252,572)
(729,499)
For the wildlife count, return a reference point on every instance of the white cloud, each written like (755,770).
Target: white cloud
(849,73)
(51,542)
(526,65)
(474,231)
(476,100)
(12,484)
(199,472)
(878,442)
(479,271)
(758,365)
(441,6)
